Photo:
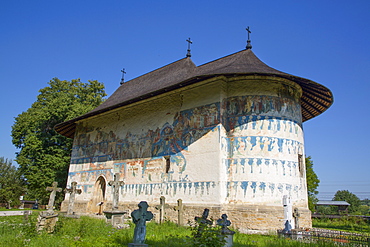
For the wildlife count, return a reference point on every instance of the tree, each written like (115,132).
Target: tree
(12,183)
(312,183)
(345,195)
(44,154)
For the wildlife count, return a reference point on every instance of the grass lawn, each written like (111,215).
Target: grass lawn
(86,231)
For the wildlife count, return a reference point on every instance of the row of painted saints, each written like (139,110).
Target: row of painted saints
(264,146)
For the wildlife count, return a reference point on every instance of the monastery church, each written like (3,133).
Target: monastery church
(226,135)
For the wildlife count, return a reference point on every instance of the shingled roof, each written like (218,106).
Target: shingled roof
(314,101)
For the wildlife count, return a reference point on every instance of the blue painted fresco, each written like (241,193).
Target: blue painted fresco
(258,165)
(257,187)
(187,127)
(259,106)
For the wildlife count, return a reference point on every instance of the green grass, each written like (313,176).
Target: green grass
(349,223)
(86,231)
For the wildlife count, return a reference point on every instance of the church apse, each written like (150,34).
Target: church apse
(264,141)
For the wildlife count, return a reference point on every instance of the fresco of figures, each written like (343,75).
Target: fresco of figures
(264,136)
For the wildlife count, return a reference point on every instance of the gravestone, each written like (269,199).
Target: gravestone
(140,217)
(114,216)
(161,207)
(180,210)
(116,184)
(296,216)
(47,219)
(72,191)
(229,234)
(202,222)
(288,210)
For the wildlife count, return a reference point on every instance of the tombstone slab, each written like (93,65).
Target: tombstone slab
(116,218)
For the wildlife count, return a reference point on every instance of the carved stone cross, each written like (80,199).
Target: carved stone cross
(180,210)
(202,222)
(224,223)
(73,190)
(53,193)
(161,207)
(115,190)
(296,216)
(140,217)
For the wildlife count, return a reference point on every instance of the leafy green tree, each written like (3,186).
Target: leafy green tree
(345,195)
(44,154)
(312,183)
(365,201)
(12,183)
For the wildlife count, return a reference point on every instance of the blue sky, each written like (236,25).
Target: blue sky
(325,41)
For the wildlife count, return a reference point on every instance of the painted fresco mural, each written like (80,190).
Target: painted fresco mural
(188,126)
(139,158)
(263,143)
(264,138)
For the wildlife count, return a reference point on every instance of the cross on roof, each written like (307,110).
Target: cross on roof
(249,46)
(189,43)
(123,76)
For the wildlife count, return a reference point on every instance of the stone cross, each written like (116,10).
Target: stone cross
(115,190)
(202,222)
(180,210)
(53,193)
(224,223)
(140,217)
(161,207)
(296,216)
(73,190)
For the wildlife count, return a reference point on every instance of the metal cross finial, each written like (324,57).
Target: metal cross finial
(249,46)
(189,43)
(123,76)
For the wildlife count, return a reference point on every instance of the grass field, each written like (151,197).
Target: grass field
(86,231)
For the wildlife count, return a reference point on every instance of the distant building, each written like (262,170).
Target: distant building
(342,206)
(226,135)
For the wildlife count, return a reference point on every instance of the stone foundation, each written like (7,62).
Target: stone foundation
(245,218)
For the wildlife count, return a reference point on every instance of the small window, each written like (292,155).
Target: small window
(300,164)
(168,163)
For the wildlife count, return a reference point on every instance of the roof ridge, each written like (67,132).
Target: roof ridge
(161,68)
